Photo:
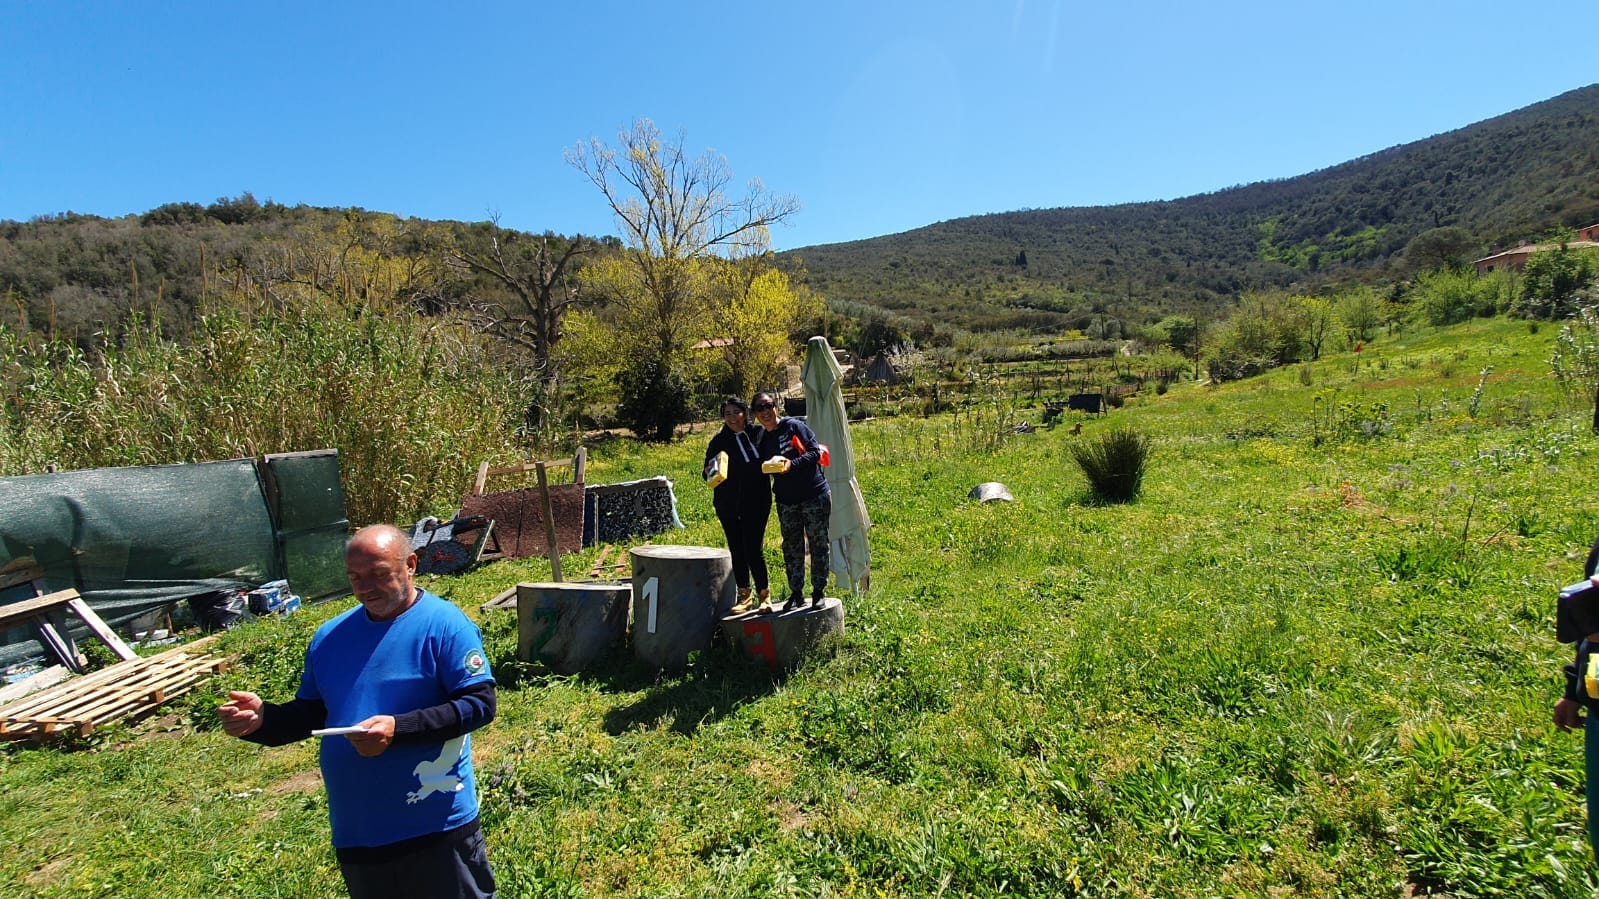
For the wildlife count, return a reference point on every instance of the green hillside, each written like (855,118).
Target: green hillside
(1044,270)
(1499,181)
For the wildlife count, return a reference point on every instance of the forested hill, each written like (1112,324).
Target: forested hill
(1495,183)
(1499,181)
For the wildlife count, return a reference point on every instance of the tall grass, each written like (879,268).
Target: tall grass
(1114,463)
(411,403)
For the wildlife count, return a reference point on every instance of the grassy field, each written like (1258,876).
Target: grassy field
(1315,658)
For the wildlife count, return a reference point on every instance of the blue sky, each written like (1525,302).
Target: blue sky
(878,116)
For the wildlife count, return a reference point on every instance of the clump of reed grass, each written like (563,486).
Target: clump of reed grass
(411,403)
(1114,463)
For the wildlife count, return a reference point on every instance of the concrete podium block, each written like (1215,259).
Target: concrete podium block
(785,639)
(679,592)
(570,626)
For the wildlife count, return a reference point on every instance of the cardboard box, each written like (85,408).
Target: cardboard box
(269,598)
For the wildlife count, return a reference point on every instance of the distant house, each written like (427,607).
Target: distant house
(1516,259)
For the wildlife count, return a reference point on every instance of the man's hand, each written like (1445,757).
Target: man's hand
(241,714)
(1566,717)
(379,734)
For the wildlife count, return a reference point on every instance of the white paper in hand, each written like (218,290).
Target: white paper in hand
(337,731)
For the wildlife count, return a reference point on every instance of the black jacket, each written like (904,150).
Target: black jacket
(745,486)
(1574,671)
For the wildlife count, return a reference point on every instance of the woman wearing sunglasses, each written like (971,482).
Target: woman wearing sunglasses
(804,502)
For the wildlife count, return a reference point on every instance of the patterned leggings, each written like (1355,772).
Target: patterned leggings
(802,523)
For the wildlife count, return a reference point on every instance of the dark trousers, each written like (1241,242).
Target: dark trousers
(744,526)
(805,524)
(1590,739)
(441,869)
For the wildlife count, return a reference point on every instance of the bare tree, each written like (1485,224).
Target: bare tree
(674,211)
(540,280)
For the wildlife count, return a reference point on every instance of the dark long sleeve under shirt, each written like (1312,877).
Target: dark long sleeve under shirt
(465,711)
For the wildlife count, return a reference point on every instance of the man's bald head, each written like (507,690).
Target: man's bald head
(380,564)
(380,538)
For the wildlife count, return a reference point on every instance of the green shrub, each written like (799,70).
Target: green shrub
(1114,464)
(655,399)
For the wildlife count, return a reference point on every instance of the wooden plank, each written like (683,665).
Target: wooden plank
(549,523)
(482,541)
(101,629)
(505,600)
(12,578)
(108,701)
(618,569)
(105,703)
(525,467)
(9,728)
(599,563)
(122,669)
(64,701)
(33,683)
(28,608)
(52,627)
(484,472)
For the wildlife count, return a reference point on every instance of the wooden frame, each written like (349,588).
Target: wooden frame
(578,463)
(48,615)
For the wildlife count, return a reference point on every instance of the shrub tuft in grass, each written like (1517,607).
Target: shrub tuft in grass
(1114,464)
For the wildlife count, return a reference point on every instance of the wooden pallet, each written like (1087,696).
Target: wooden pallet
(128,688)
(619,569)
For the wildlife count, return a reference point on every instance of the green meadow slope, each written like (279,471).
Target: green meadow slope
(1316,658)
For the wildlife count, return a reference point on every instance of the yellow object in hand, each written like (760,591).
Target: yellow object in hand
(774,465)
(717,473)
(1590,677)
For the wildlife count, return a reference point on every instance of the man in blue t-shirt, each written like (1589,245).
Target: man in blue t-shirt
(404,680)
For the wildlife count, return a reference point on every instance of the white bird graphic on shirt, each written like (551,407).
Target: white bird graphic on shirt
(434,774)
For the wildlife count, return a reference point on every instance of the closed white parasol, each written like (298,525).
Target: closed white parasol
(824,412)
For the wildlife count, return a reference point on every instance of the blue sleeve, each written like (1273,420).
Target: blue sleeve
(464,675)
(308,688)
(813,450)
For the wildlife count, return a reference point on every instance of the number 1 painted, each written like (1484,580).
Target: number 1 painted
(651,587)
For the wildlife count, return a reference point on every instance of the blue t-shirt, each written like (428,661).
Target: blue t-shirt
(359,668)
